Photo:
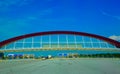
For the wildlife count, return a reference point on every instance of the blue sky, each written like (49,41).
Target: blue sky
(18,17)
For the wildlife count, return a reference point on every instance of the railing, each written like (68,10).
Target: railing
(38,49)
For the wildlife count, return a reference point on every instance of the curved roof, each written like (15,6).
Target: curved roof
(113,42)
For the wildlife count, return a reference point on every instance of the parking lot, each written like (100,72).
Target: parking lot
(61,66)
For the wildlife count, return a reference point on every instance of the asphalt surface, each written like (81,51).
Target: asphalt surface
(61,66)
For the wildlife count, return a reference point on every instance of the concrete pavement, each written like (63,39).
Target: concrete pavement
(61,66)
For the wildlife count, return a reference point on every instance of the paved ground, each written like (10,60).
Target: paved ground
(61,66)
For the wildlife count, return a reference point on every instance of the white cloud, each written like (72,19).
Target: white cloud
(114,37)
(5,4)
(107,14)
(7,23)
(40,14)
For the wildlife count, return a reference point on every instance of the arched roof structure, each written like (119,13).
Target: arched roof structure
(113,42)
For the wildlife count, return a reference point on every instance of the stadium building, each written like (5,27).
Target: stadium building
(58,44)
